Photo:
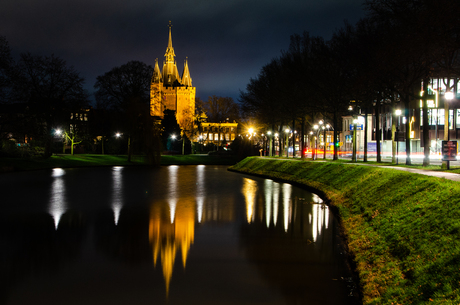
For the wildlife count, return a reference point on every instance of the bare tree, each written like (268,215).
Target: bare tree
(51,89)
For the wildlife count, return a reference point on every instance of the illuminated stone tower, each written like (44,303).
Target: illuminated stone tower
(168,90)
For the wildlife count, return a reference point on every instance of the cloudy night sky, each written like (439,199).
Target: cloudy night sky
(226,42)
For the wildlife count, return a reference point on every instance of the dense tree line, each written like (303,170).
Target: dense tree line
(44,104)
(382,59)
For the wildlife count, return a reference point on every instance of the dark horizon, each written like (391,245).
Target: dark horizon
(225,44)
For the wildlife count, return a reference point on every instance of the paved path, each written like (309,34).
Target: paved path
(439,174)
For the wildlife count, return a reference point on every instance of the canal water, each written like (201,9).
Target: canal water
(173,235)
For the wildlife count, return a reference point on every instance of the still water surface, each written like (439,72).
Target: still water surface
(173,235)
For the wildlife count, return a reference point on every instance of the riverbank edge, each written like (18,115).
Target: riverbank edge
(96,160)
(378,211)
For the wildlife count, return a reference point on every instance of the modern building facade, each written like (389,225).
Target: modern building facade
(437,105)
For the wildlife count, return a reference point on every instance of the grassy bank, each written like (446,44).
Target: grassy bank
(402,228)
(18,164)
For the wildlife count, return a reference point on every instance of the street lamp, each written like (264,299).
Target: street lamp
(325,128)
(449,95)
(270,147)
(287,131)
(398,113)
(316,128)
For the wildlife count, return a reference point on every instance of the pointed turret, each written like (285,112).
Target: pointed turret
(186,79)
(156,78)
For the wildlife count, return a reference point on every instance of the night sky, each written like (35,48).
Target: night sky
(226,42)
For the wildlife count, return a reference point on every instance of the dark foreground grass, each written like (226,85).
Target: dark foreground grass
(19,164)
(403,229)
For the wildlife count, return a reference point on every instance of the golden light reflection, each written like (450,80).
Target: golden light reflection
(57,202)
(167,237)
(276,197)
(268,200)
(249,191)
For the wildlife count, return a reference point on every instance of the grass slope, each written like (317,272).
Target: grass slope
(402,228)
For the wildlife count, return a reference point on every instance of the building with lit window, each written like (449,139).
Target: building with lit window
(436,103)
(218,133)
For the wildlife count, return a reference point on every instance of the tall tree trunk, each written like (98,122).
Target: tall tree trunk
(335,123)
(393,132)
(377,129)
(366,131)
(293,139)
(129,148)
(302,139)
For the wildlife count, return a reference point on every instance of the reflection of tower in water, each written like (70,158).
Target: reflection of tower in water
(167,237)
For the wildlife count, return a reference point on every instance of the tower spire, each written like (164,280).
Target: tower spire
(170,74)
(170,50)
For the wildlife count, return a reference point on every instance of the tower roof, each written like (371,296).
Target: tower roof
(186,79)
(170,49)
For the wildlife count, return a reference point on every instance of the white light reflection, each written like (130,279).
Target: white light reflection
(200,191)
(287,189)
(57,202)
(276,198)
(117,199)
(268,200)
(249,191)
(320,219)
(172,198)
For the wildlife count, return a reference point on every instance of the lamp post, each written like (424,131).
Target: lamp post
(448,96)
(287,142)
(355,126)
(317,129)
(398,113)
(270,147)
(325,128)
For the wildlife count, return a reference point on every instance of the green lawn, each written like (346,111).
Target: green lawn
(19,164)
(402,228)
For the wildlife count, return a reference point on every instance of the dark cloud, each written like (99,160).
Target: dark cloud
(226,42)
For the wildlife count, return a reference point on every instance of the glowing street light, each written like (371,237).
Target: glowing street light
(287,131)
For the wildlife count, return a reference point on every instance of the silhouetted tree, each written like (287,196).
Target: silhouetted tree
(219,109)
(126,91)
(51,89)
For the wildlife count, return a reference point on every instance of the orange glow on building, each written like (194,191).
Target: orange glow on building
(168,90)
